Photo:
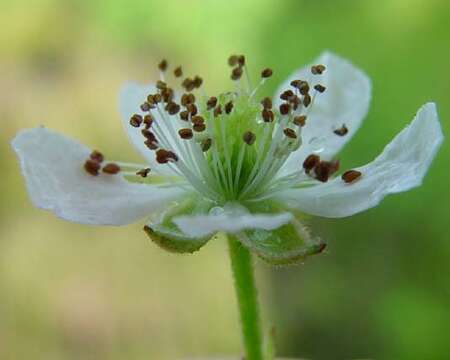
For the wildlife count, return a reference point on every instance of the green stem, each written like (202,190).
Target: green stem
(242,266)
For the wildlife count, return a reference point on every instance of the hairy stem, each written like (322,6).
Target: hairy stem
(242,267)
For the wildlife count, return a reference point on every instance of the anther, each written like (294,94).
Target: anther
(145,107)
(167,94)
(286,95)
(111,169)
(266,73)
(172,108)
(320,88)
(184,115)
(211,103)
(136,120)
(199,127)
(233,60)
(217,110)
(300,120)
(267,115)
(163,65)
(197,120)
(161,85)
(156,98)
(178,72)
(143,172)
(198,81)
(266,103)
(295,101)
(317,69)
(164,156)
(96,156)
(241,60)
(152,145)
(188,84)
(149,135)
(310,162)
(148,120)
(325,169)
(284,109)
(206,144)
(186,133)
(306,100)
(192,109)
(92,167)
(187,99)
(228,107)
(236,73)
(290,133)
(350,176)
(249,137)
(341,131)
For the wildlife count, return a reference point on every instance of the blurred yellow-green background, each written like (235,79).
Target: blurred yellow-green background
(382,290)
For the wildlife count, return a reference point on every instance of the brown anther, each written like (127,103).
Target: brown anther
(199,127)
(266,73)
(351,176)
(188,84)
(136,120)
(192,108)
(198,81)
(249,137)
(267,115)
(148,120)
(148,135)
(236,73)
(290,133)
(151,99)
(163,65)
(233,60)
(341,131)
(172,108)
(310,162)
(267,103)
(187,99)
(325,169)
(184,115)
(217,110)
(185,133)
(241,60)
(300,120)
(157,98)
(206,144)
(320,88)
(303,88)
(96,156)
(161,85)
(152,145)
(228,107)
(285,95)
(164,156)
(92,167)
(317,69)
(285,108)
(167,94)
(145,107)
(296,83)
(111,169)
(295,101)
(197,120)
(306,100)
(143,172)
(178,72)
(211,103)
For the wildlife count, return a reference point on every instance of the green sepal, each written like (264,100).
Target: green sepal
(166,234)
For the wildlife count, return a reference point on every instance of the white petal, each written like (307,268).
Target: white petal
(400,167)
(131,96)
(52,166)
(345,101)
(231,218)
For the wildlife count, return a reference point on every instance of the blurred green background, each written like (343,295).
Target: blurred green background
(382,289)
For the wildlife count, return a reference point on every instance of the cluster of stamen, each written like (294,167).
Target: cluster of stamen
(94,164)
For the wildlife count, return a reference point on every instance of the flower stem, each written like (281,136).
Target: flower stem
(242,267)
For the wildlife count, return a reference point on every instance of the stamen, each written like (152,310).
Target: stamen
(267,103)
(266,73)
(163,65)
(172,108)
(111,169)
(92,167)
(341,131)
(311,162)
(188,84)
(320,88)
(136,120)
(161,85)
(211,103)
(306,100)
(241,60)
(148,120)
(249,137)
(290,133)
(317,69)
(228,107)
(286,95)
(145,107)
(164,156)
(236,73)
(184,115)
(300,120)
(198,81)
(233,60)
(96,156)
(206,144)
(284,109)
(351,176)
(325,169)
(143,172)
(217,110)
(186,133)
(192,108)
(267,115)
(178,72)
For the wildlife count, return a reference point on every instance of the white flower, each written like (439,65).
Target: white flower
(231,163)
